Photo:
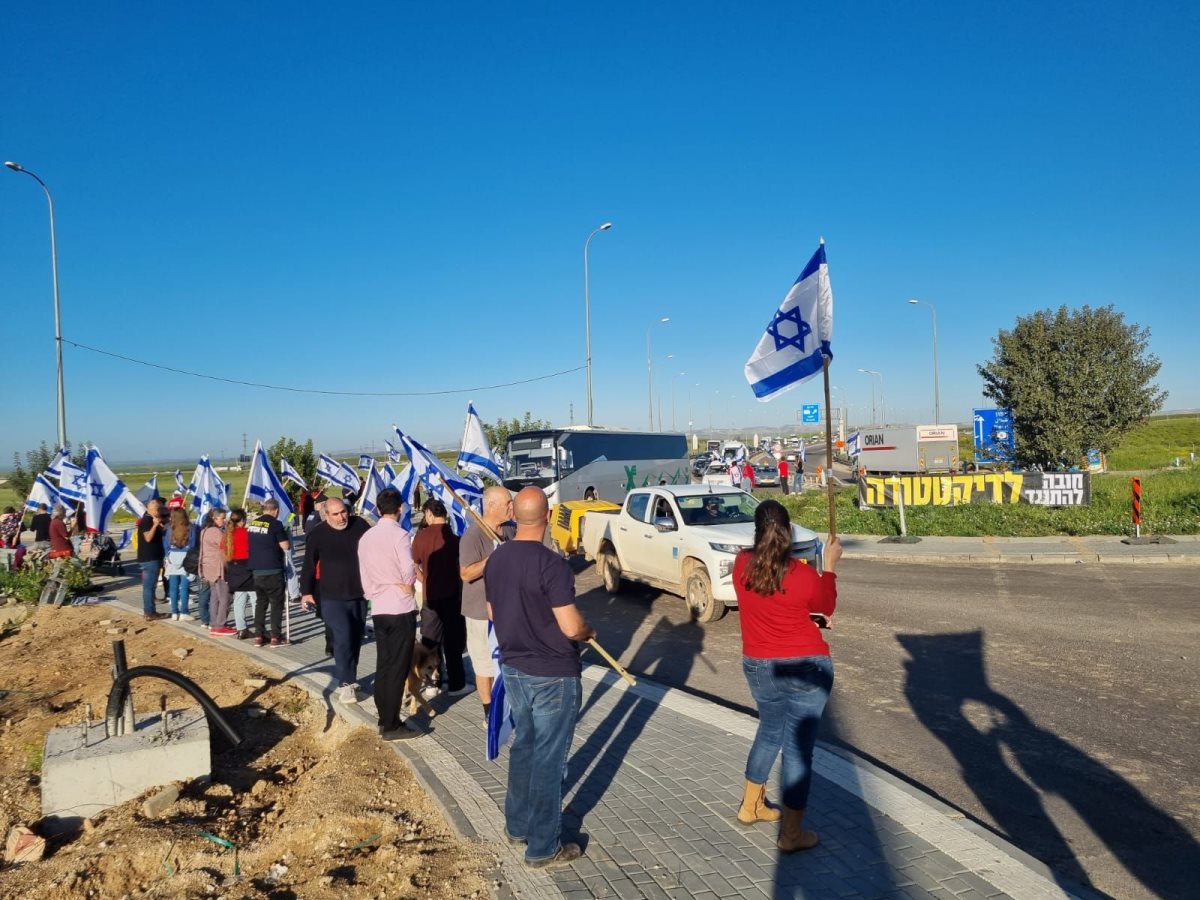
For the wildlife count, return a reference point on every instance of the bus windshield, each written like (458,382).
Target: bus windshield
(531,460)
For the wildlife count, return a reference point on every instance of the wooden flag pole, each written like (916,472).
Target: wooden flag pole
(617,667)
(829,455)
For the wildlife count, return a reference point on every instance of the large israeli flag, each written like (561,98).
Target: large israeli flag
(61,455)
(106,492)
(338,473)
(264,483)
(365,461)
(853,446)
(210,492)
(797,339)
(43,491)
(352,481)
(373,484)
(476,454)
(72,481)
(289,473)
(406,484)
(443,483)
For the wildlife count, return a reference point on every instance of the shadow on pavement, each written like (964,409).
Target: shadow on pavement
(948,690)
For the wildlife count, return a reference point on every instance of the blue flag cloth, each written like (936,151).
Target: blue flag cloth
(264,483)
(149,490)
(338,473)
(287,472)
(852,444)
(797,339)
(62,455)
(443,483)
(208,490)
(372,485)
(365,461)
(106,492)
(500,718)
(394,455)
(43,491)
(179,485)
(406,484)
(476,454)
(72,481)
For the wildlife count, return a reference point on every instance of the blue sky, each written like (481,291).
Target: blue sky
(395,198)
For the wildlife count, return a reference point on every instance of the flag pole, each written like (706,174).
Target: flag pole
(829,454)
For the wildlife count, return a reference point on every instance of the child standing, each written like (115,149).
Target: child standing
(178,541)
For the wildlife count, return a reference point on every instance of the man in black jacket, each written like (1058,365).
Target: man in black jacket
(333,545)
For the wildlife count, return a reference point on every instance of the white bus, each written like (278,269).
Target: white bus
(583,463)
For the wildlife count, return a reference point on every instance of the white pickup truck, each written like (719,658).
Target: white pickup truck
(681,539)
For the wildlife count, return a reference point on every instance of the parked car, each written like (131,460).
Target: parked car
(700,464)
(681,539)
(766,473)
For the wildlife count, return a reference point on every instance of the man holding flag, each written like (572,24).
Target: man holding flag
(531,598)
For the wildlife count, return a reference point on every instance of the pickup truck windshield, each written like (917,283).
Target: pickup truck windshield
(717,508)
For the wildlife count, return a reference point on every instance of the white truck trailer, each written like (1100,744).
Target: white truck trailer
(909,449)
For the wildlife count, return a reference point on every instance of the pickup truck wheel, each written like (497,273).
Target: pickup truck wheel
(700,599)
(610,571)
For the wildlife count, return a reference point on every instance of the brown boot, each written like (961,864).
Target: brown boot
(754,806)
(792,836)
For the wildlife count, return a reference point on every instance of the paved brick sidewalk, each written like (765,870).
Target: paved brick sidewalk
(653,781)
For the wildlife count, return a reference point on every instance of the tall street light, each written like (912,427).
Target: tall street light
(62,400)
(937,402)
(669,356)
(842,424)
(650,370)
(587,316)
(673,377)
(882,405)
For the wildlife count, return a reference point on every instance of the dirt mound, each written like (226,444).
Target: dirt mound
(311,806)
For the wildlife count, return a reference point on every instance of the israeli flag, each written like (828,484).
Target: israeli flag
(148,491)
(500,717)
(803,453)
(61,455)
(476,454)
(442,483)
(210,492)
(406,484)
(374,484)
(389,474)
(125,539)
(43,491)
(336,473)
(288,472)
(797,339)
(72,481)
(394,455)
(106,492)
(264,483)
(853,446)
(179,485)
(365,461)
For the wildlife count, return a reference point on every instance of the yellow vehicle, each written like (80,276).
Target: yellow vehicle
(565,519)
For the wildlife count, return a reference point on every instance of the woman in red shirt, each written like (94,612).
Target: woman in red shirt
(787,665)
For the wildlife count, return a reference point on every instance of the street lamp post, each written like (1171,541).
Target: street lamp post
(673,377)
(937,401)
(882,405)
(650,370)
(668,356)
(587,316)
(62,400)
(842,424)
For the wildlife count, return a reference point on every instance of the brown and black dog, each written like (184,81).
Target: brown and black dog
(422,674)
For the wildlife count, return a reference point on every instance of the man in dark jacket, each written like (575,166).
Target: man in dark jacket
(269,546)
(333,545)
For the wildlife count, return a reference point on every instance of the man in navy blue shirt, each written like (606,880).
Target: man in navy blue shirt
(531,600)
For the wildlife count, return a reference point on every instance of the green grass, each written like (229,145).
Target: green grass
(1170,505)
(1155,444)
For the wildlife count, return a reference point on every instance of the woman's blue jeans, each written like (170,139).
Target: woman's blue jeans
(544,713)
(177,591)
(791,695)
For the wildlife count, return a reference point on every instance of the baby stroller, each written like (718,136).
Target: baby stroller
(104,554)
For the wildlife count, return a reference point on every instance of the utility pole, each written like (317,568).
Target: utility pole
(571,412)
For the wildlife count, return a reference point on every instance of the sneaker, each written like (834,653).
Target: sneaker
(400,733)
(175,617)
(223,631)
(279,642)
(347,693)
(462,691)
(185,617)
(567,853)
(154,617)
(243,634)
(259,641)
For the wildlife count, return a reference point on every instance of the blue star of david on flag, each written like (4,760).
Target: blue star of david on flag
(795,345)
(802,329)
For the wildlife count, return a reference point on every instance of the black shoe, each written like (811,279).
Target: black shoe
(399,733)
(244,633)
(567,853)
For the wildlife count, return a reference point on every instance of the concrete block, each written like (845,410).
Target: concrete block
(82,780)
(158,804)
(181,652)
(254,682)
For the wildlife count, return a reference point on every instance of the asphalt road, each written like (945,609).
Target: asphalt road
(1059,706)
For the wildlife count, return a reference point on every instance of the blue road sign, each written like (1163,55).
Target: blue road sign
(994,439)
(810,413)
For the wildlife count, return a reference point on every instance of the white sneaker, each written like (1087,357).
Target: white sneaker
(347,693)
(185,617)
(175,616)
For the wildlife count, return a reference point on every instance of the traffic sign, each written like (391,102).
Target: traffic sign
(810,413)
(994,438)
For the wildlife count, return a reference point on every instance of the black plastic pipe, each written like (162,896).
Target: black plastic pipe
(120,690)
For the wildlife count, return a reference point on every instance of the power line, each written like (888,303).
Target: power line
(296,390)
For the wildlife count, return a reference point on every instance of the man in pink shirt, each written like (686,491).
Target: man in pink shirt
(385,565)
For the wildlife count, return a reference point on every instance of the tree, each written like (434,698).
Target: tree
(498,434)
(22,474)
(1074,380)
(301,456)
